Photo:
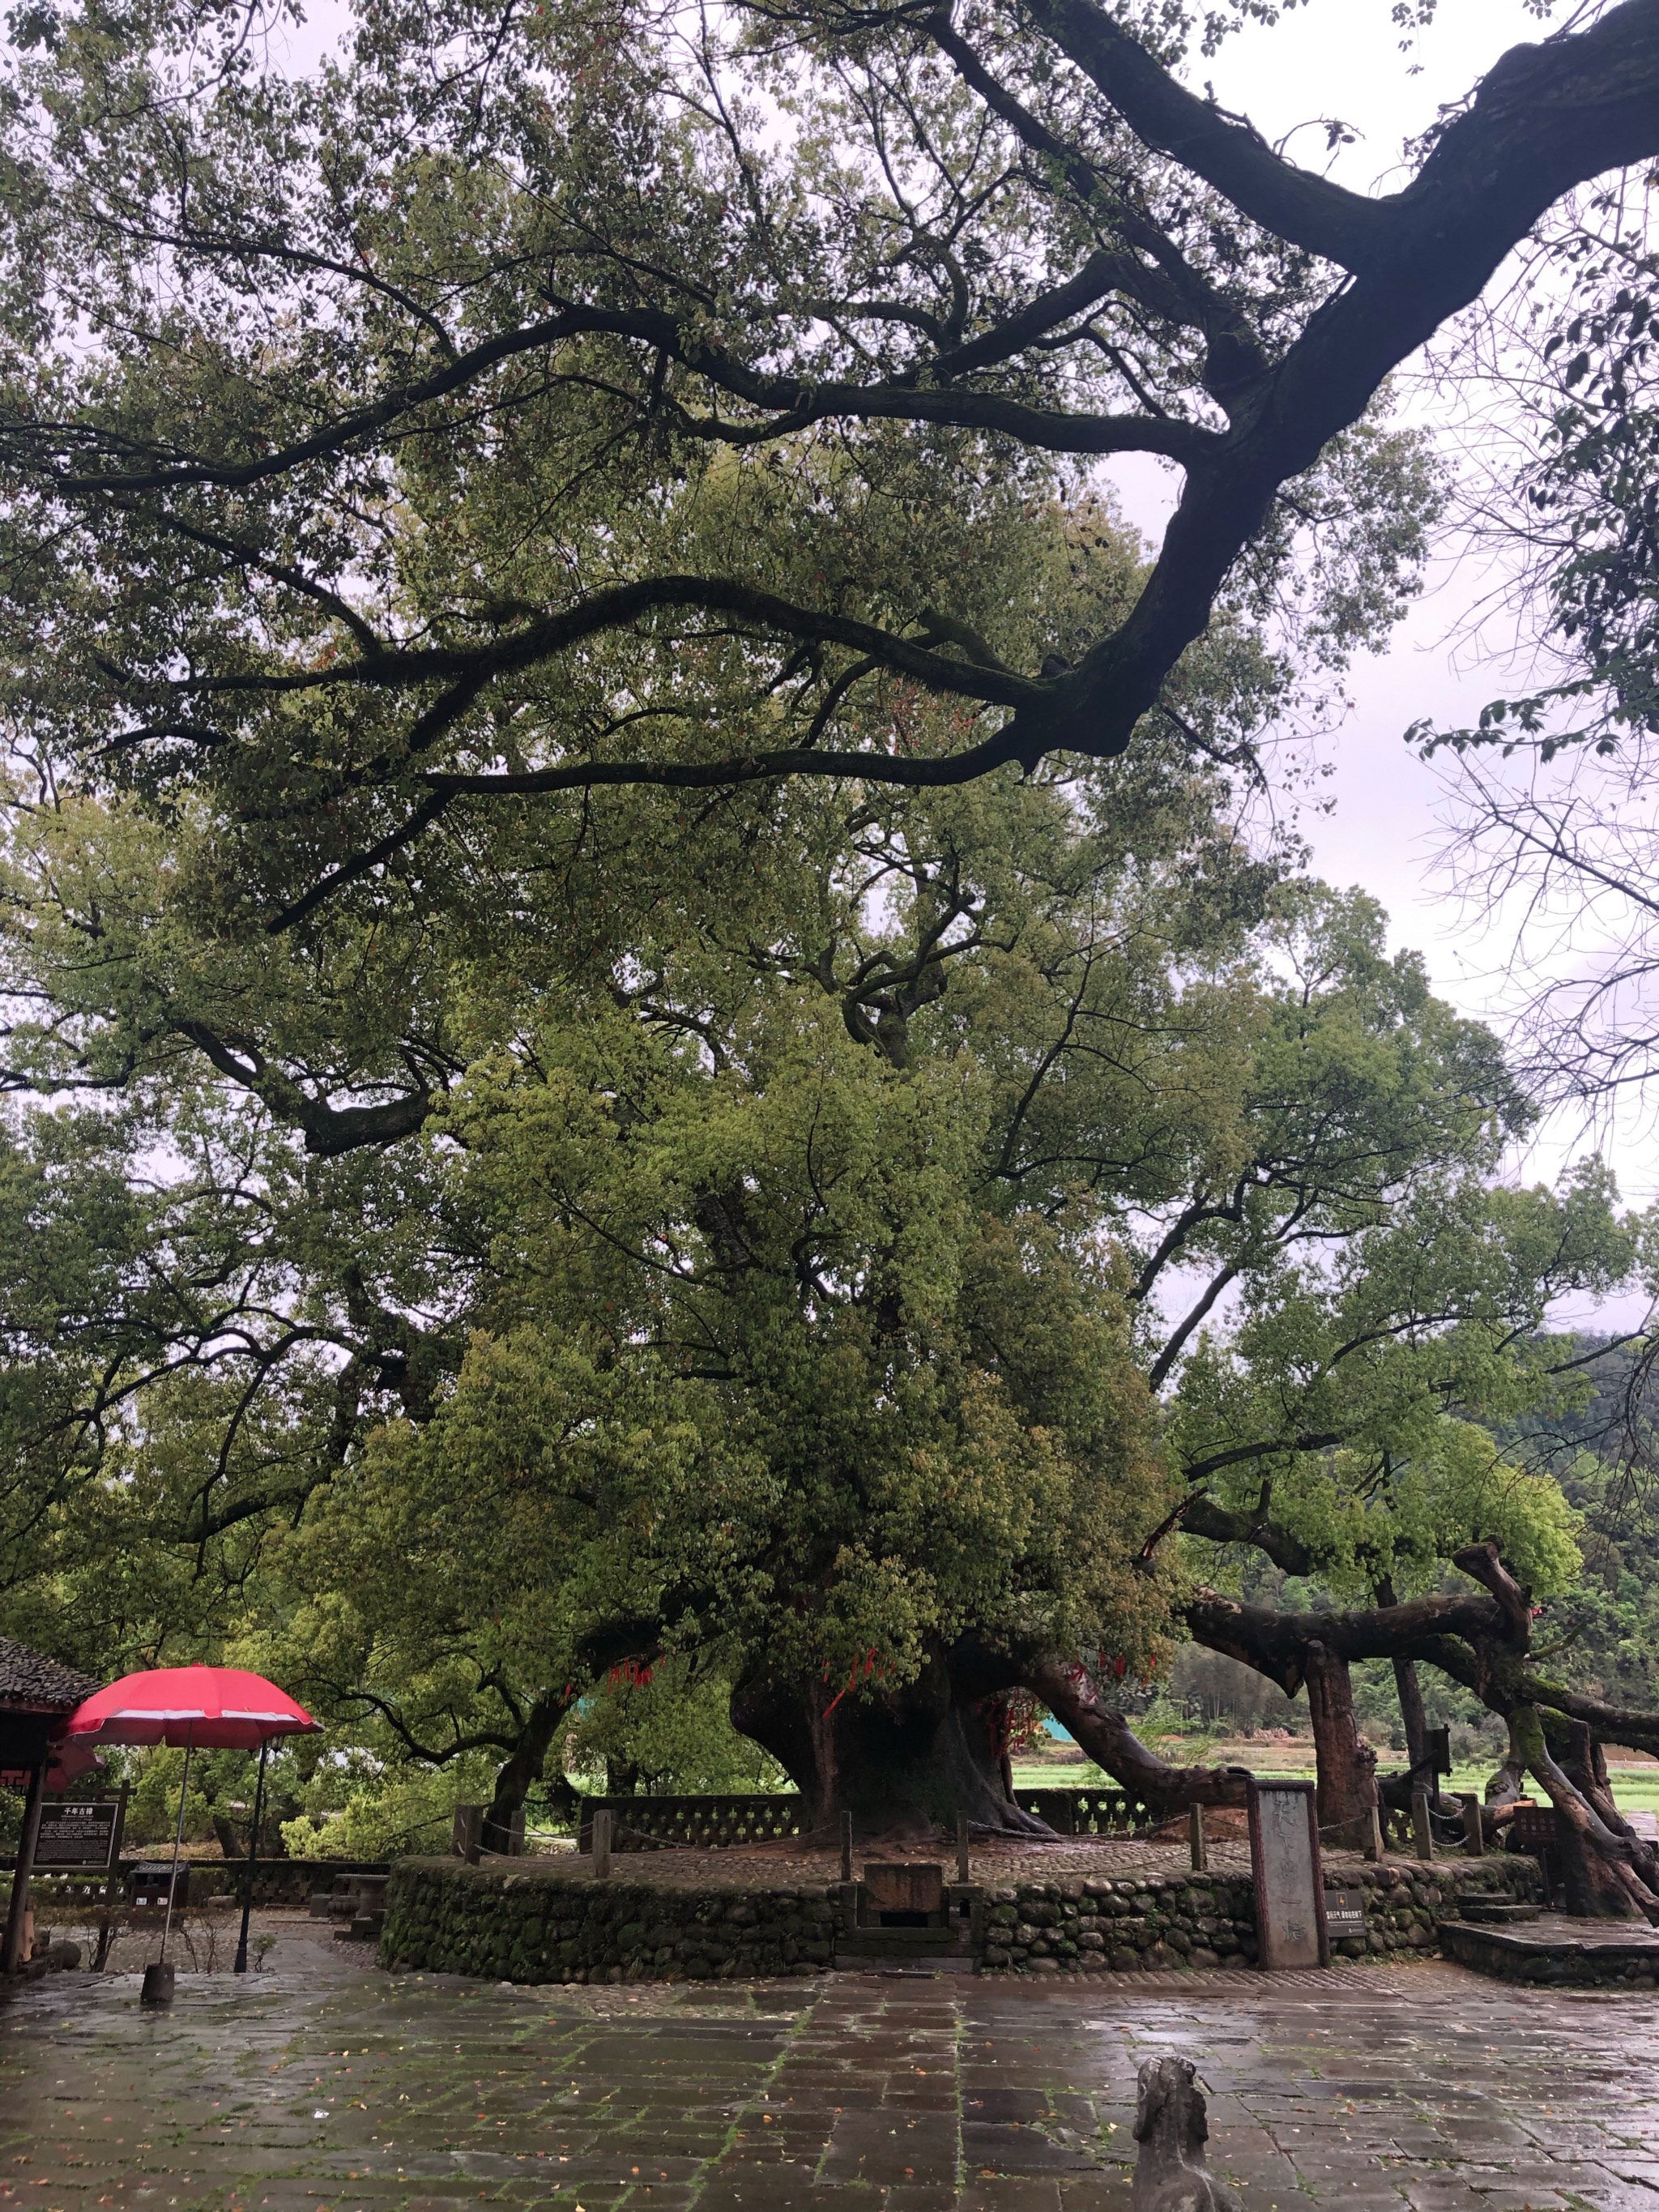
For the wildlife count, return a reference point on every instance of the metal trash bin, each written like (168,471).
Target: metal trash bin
(147,1886)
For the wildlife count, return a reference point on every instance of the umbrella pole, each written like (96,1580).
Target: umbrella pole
(240,1968)
(177,1838)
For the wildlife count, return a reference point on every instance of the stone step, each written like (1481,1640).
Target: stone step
(903,1943)
(1492,1911)
(1583,1954)
(954,1962)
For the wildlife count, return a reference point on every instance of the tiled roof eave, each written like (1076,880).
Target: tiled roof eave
(32,1683)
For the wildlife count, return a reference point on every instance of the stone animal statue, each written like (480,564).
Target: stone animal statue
(1171,2127)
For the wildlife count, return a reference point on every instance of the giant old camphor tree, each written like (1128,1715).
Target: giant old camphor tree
(513,539)
(797,1293)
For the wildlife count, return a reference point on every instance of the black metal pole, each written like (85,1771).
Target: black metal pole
(240,1968)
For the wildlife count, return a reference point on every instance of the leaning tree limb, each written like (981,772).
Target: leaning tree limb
(1276,1643)
(1584,1764)
(521,1770)
(1482,1641)
(1604,1880)
(1073,1697)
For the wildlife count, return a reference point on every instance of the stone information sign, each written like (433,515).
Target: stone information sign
(1289,1891)
(80,1832)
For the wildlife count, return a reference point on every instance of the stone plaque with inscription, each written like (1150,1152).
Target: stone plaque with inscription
(1290,1890)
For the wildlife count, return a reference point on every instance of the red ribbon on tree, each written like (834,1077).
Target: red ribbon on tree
(867,1666)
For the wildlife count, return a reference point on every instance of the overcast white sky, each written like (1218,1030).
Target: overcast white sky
(1388,824)
(1342,58)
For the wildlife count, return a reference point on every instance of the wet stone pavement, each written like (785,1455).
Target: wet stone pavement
(323,2083)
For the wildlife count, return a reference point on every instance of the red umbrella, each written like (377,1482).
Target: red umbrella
(212,1707)
(221,1709)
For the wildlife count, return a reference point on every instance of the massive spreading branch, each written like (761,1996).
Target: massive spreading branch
(360,433)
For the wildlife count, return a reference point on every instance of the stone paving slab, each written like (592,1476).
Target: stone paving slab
(325,2086)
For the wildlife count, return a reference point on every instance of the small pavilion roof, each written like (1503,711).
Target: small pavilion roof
(32,1683)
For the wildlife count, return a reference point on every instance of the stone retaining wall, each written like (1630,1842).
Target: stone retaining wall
(550,1923)
(275,1882)
(544,1925)
(1137,1920)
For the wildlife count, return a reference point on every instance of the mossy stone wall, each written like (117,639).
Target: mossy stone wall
(1139,1921)
(544,1921)
(545,1924)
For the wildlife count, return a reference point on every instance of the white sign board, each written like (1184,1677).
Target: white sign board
(1289,1887)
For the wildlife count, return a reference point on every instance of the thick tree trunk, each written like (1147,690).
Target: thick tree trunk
(1585,1766)
(906,1763)
(1408,1689)
(1073,1699)
(1507,1783)
(1599,1864)
(1345,1763)
(1414,1718)
(522,1770)
(1608,1874)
